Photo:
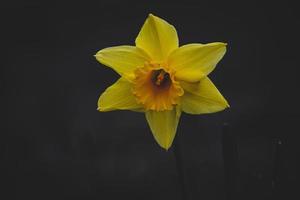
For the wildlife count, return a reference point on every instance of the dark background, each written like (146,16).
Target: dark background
(55,145)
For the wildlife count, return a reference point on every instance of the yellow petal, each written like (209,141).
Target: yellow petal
(118,97)
(157,37)
(123,59)
(194,61)
(202,97)
(163,125)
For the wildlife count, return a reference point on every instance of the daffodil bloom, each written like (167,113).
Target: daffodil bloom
(162,79)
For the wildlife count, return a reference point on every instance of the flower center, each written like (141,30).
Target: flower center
(160,78)
(155,87)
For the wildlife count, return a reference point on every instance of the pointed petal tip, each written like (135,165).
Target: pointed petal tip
(166,147)
(101,109)
(151,15)
(226,103)
(98,52)
(222,44)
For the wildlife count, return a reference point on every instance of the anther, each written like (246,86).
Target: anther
(160,77)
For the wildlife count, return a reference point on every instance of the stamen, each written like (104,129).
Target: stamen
(160,77)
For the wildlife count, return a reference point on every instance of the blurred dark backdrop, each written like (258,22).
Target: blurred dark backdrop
(55,145)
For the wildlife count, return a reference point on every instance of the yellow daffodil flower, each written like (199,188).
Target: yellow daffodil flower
(162,79)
